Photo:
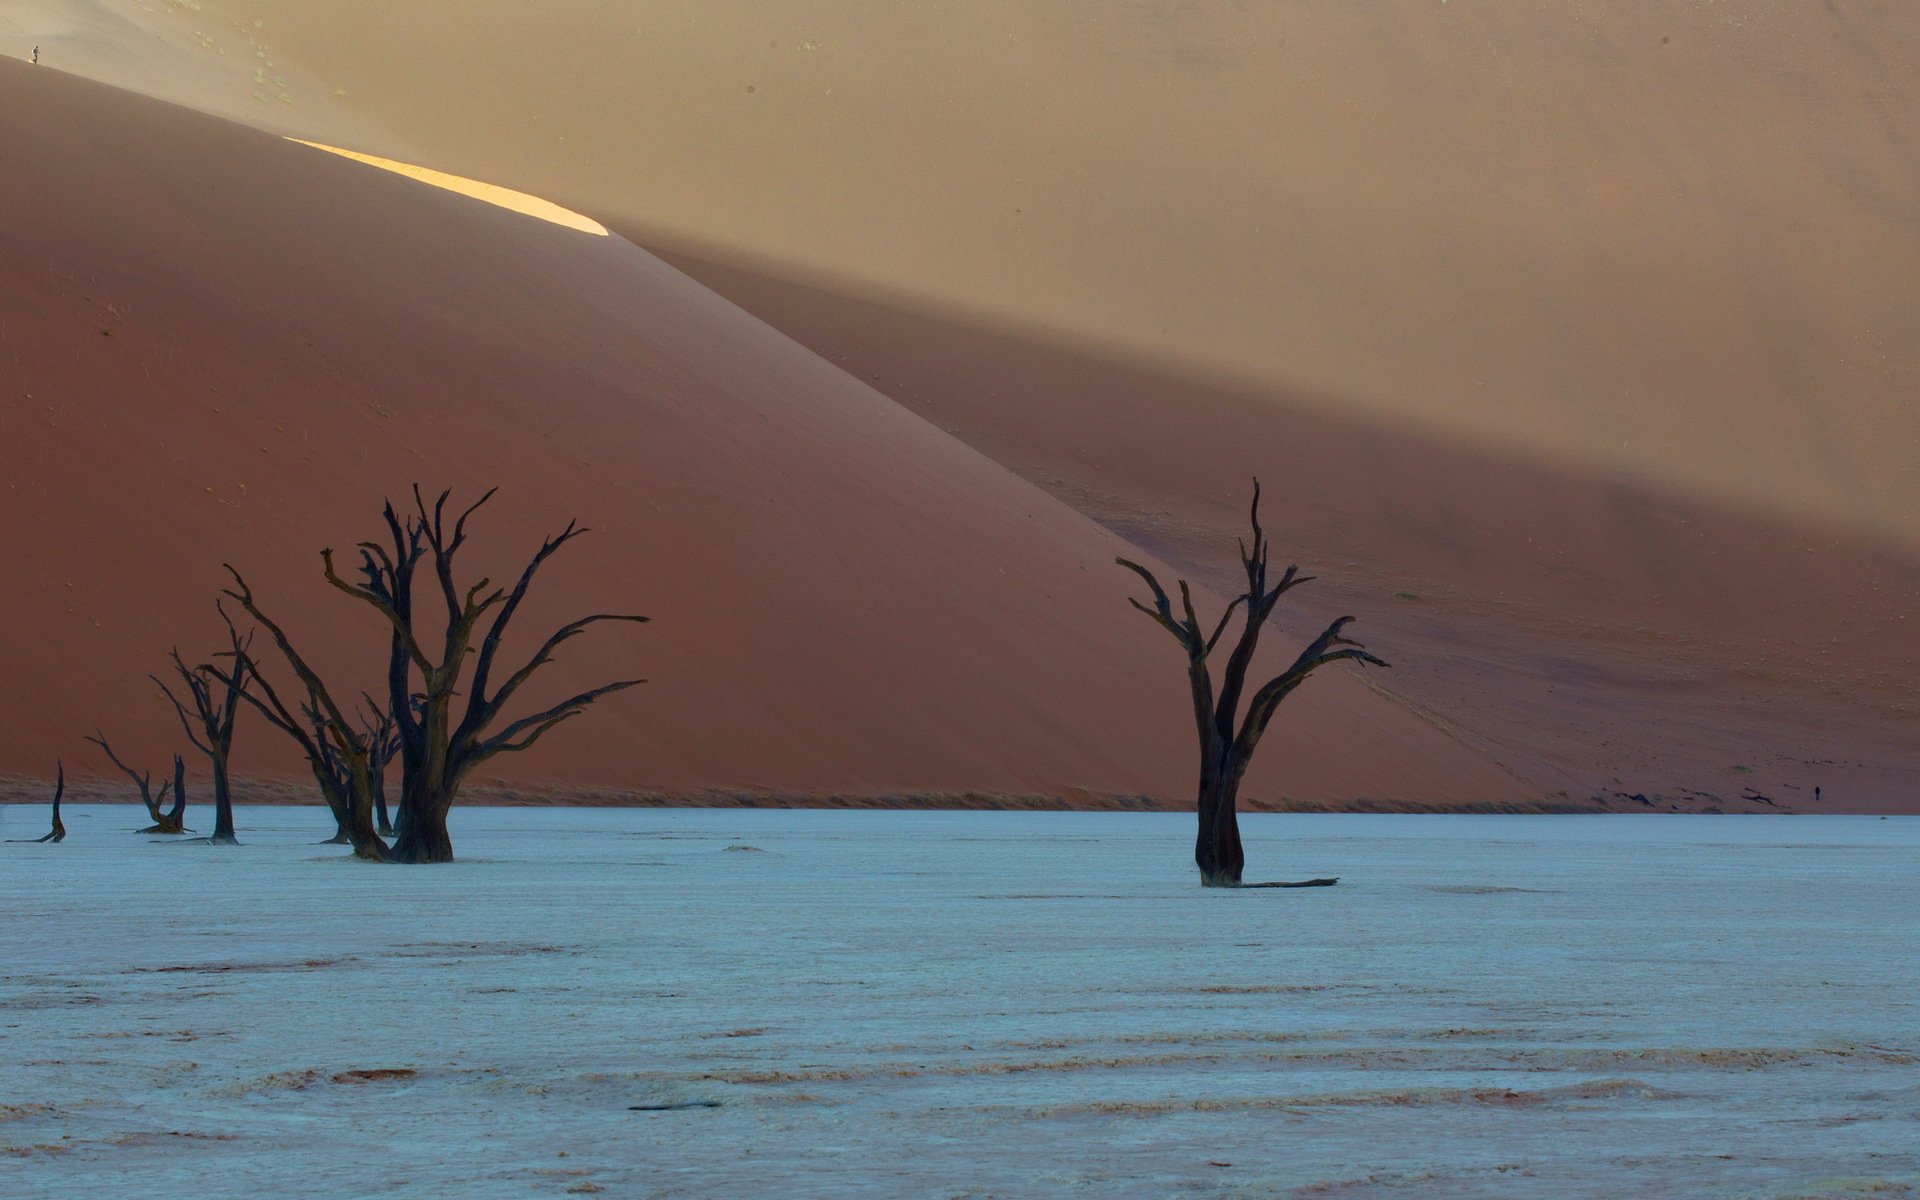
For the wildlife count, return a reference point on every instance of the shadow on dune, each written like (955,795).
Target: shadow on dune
(1594,633)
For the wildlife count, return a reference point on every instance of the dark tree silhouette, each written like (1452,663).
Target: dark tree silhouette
(214,717)
(1226,742)
(383,744)
(437,748)
(425,672)
(173,821)
(337,771)
(335,749)
(58,833)
(179,793)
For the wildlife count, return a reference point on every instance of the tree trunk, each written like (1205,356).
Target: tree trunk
(423,830)
(384,822)
(222,805)
(58,833)
(353,818)
(178,817)
(1217,849)
(173,821)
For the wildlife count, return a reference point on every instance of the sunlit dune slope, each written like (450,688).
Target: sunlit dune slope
(219,345)
(494,194)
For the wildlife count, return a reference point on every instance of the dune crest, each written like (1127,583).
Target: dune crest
(499,197)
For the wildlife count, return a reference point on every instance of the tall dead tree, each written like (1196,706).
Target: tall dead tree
(1227,743)
(426,666)
(335,749)
(173,821)
(215,716)
(58,833)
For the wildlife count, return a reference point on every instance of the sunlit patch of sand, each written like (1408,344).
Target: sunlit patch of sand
(507,198)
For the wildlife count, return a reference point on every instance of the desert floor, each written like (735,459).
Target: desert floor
(980,1004)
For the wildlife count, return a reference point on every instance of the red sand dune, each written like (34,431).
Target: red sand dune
(219,345)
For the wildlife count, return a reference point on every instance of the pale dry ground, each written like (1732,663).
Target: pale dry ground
(222,346)
(1594,327)
(979,1004)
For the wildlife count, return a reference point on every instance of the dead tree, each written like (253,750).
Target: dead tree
(437,748)
(335,749)
(173,821)
(58,833)
(1226,742)
(215,717)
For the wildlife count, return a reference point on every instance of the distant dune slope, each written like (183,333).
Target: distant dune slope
(1672,240)
(216,344)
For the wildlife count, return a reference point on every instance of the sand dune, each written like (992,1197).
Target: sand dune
(1595,330)
(217,344)
(1672,243)
(1595,635)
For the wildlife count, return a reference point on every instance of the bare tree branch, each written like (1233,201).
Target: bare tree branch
(142,780)
(1162,610)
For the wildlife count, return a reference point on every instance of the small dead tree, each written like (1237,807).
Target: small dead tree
(58,833)
(173,821)
(438,749)
(1226,742)
(215,717)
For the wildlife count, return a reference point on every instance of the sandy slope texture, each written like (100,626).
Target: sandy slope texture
(1670,242)
(220,345)
(1592,327)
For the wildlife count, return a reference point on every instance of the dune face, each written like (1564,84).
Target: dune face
(220,345)
(1593,329)
(1671,243)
